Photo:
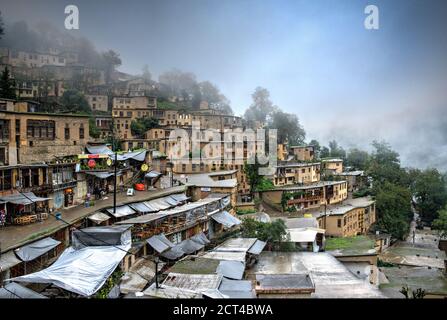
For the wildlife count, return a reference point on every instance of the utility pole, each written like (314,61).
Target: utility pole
(115,164)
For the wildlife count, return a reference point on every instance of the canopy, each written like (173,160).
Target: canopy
(152,174)
(137,155)
(200,238)
(14,290)
(36,249)
(159,204)
(22,198)
(121,211)
(160,243)
(81,271)
(142,207)
(102,236)
(231,269)
(226,219)
(189,246)
(173,253)
(102,175)
(146,218)
(8,260)
(257,247)
(101,149)
(99,217)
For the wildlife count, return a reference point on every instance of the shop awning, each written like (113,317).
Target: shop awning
(81,271)
(99,217)
(159,204)
(121,211)
(23,198)
(116,235)
(14,290)
(160,243)
(8,260)
(152,174)
(142,207)
(36,249)
(257,247)
(189,246)
(226,219)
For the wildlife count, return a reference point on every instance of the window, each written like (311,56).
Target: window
(81,131)
(67,132)
(39,129)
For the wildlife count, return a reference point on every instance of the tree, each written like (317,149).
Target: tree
(393,205)
(271,232)
(288,126)
(93,129)
(251,171)
(261,108)
(336,150)
(211,94)
(440,223)
(358,159)
(7,85)
(325,152)
(384,166)
(140,126)
(75,102)
(317,147)
(429,189)
(2,30)
(111,61)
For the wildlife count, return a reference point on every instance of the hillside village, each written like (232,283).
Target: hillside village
(89,177)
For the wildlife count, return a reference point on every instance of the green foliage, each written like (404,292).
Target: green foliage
(75,102)
(261,108)
(325,152)
(358,159)
(7,85)
(286,196)
(416,294)
(393,204)
(362,193)
(270,232)
(336,151)
(245,211)
(93,129)
(440,223)
(109,284)
(288,126)
(140,126)
(429,189)
(264,184)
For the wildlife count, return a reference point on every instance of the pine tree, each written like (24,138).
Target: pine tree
(7,84)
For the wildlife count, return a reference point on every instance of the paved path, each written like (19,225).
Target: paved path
(15,236)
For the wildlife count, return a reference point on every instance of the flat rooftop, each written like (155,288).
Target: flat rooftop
(331,278)
(318,184)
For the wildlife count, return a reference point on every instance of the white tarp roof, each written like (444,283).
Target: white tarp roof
(81,271)
(237,289)
(121,211)
(226,219)
(152,174)
(302,234)
(101,149)
(36,249)
(22,198)
(8,260)
(14,290)
(99,217)
(136,155)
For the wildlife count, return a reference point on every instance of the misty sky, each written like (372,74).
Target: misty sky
(315,57)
